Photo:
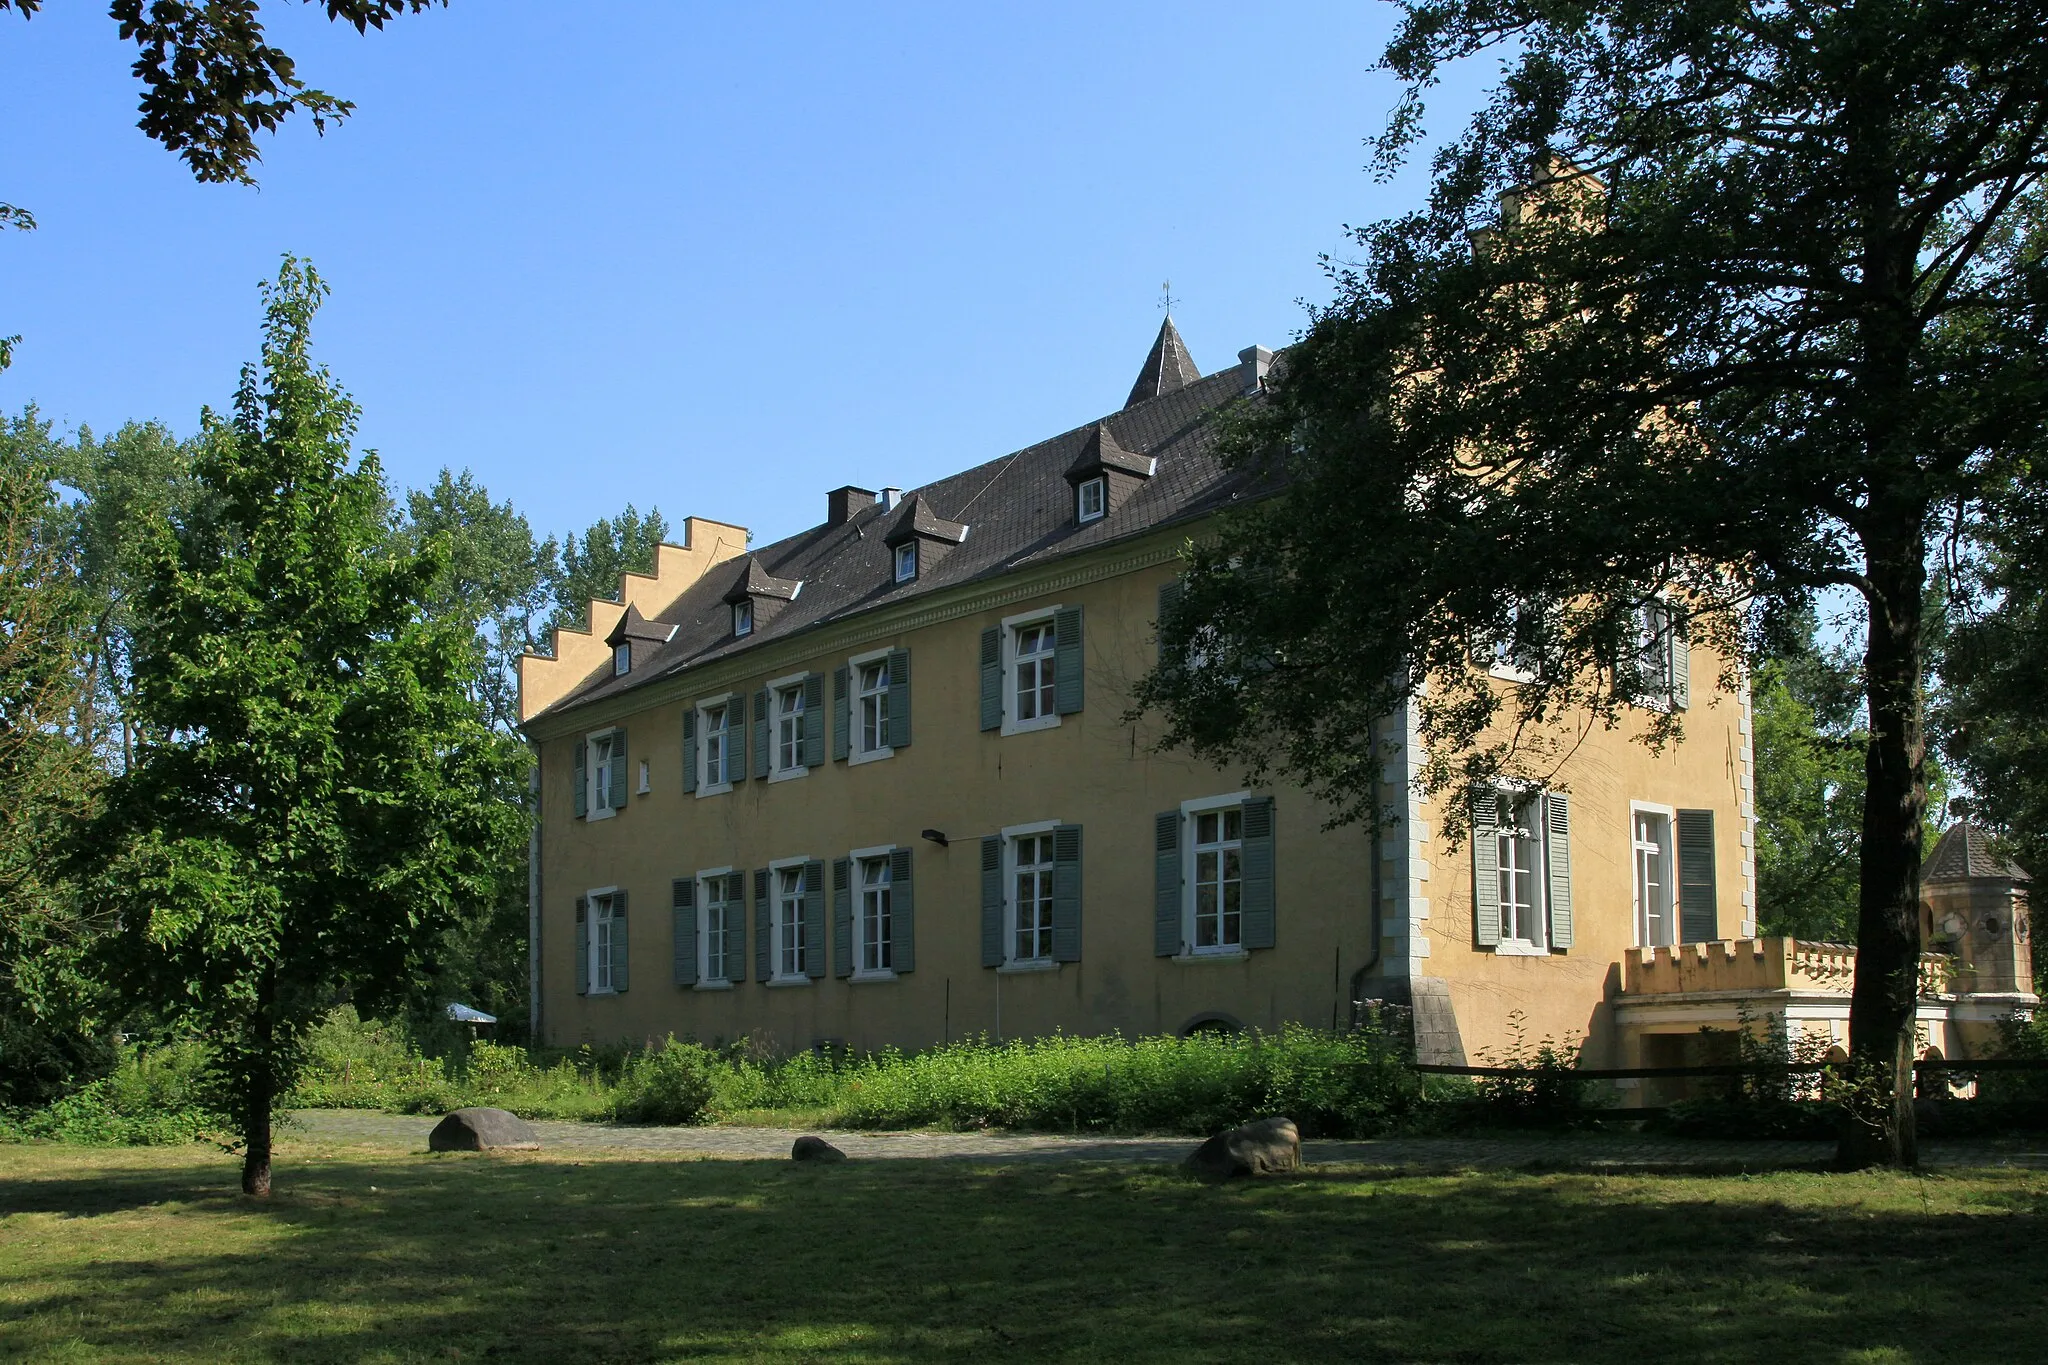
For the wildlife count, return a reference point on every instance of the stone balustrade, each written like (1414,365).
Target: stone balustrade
(1757,964)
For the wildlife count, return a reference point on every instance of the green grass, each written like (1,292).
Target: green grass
(147,1254)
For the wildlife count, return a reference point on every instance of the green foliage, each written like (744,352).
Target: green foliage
(669,1084)
(155,1097)
(1546,1093)
(590,568)
(1809,745)
(317,797)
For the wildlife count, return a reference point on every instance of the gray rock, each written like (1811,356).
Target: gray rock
(1270,1146)
(483,1130)
(808,1148)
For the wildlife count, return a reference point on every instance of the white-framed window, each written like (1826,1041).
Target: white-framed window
(644,787)
(1090,499)
(790,952)
(906,561)
(714,747)
(1029,930)
(602,750)
(1518,838)
(622,658)
(1656,905)
(870,706)
(786,727)
(742,618)
(874,943)
(1029,673)
(721,911)
(602,946)
(1215,879)
(1514,653)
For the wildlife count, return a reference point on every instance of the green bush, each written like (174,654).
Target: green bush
(670,1084)
(154,1097)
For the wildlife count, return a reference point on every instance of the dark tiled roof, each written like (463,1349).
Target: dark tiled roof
(1020,509)
(1100,451)
(634,626)
(1168,369)
(916,518)
(1965,852)
(755,581)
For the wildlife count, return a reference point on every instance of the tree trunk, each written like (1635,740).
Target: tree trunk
(260,1092)
(1878,1128)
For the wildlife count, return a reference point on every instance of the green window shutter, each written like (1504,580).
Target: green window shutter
(992,900)
(1557,855)
(764,742)
(1681,670)
(899,698)
(1166,925)
(1698,914)
(902,913)
(842,917)
(814,918)
(620,937)
(1257,889)
(1170,593)
(992,679)
(841,717)
(736,769)
(621,786)
(689,749)
(1485,869)
(580,801)
(735,968)
(685,903)
(1067,660)
(582,946)
(814,720)
(1066,893)
(764,935)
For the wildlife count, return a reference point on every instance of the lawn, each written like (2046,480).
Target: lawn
(133,1254)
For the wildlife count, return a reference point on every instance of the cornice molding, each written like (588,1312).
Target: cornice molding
(850,632)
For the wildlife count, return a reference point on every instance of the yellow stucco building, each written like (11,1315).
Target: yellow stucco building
(877,784)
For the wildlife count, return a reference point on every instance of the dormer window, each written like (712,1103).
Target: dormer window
(906,561)
(622,659)
(742,618)
(1089,498)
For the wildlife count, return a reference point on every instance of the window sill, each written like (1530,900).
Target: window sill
(1025,727)
(712,986)
(1043,964)
(596,991)
(1516,948)
(779,981)
(605,814)
(714,789)
(865,978)
(1219,955)
(856,759)
(787,774)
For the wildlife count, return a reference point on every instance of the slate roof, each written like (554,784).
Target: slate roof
(916,518)
(1018,511)
(1168,369)
(1963,852)
(1100,451)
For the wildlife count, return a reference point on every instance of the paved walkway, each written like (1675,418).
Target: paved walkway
(1590,1152)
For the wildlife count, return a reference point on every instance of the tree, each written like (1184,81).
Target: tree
(314,797)
(47,777)
(211,80)
(591,569)
(1709,310)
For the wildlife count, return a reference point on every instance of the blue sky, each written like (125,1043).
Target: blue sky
(717,259)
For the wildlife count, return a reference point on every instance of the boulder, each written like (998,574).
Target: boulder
(808,1148)
(483,1130)
(1268,1146)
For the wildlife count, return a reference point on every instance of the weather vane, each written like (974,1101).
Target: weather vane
(1166,298)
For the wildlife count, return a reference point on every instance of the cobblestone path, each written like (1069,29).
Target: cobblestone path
(1590,1152)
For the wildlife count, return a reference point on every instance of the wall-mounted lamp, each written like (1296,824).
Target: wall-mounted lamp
(936,836)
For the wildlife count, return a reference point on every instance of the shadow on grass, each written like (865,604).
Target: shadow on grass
(415,1258)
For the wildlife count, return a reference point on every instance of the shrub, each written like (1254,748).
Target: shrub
(669,1084)
(1545,1090)
(154,1097)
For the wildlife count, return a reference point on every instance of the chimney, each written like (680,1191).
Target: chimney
(890,498)
(1261,360)
(844,504)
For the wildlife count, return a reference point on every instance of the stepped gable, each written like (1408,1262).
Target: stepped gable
(1964,852)
(1019,508)
(1168,369)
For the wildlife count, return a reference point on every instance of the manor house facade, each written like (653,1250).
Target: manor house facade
(877,784)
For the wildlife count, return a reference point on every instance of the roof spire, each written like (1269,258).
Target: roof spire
(1168,368)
